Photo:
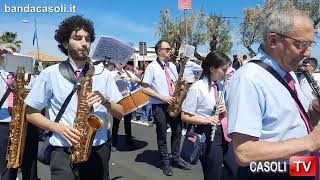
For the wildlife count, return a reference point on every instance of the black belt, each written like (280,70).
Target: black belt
(5,124)
(66,149)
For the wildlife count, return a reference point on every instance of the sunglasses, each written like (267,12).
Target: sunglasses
(167,49)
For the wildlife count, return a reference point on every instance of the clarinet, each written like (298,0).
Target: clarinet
(216,113)
(313,84)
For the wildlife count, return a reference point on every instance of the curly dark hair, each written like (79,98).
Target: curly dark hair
(67,26)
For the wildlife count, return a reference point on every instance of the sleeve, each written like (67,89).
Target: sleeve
(112,90)
(40,92)
(190,103)
(243,106)
(148,75)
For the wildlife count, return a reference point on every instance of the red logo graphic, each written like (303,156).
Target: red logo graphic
(303,166)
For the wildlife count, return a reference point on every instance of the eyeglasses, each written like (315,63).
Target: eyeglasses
(302,44)
(167,49)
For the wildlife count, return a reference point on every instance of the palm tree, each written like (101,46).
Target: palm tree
(10,37)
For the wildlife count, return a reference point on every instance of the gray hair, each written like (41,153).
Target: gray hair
(282,21)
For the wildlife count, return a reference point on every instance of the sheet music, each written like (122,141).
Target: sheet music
(11,63)
(112,50)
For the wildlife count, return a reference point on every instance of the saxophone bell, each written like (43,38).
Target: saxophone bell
(94,121)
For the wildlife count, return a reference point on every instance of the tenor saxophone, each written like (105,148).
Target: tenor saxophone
(18,124)
(180,91)
(86,122)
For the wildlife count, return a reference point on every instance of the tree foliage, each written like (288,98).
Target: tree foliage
(199,28)
(250,28)
(10,37)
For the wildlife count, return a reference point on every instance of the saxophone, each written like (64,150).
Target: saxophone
(180,91)
(85,122)
(18,124)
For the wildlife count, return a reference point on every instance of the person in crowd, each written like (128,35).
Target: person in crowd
(309,64)
(264,120)
(74,36)
(159,79)
(204,106)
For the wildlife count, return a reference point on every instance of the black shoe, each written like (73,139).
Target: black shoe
(130,142)
(181,165)
(167,170)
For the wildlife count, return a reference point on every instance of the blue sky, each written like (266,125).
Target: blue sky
(127,20)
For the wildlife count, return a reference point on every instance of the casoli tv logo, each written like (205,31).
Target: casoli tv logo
(303,166)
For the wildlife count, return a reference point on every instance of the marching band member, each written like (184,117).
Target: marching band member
(126,82)
(265,121)
(160,76)
(202,98)
(74,36)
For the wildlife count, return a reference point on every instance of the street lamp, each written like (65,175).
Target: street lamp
(36,34)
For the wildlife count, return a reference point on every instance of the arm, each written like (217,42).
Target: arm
(192,119)
(146,89)
(116,110)
(69,133)
(248,148)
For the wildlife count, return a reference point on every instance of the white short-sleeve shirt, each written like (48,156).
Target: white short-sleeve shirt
(51,89)
(156,78)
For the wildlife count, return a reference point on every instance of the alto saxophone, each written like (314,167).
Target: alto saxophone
(86,122)
(180,91)
(18,124)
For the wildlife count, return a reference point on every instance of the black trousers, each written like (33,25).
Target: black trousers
(215,154)
(127,128)
(162,118)
(29,160)
(96,168)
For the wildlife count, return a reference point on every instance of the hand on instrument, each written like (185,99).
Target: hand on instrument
(212,120)
(316,105)
(221,107)
(170,100)
(313,138)
(96,98)
(71,135)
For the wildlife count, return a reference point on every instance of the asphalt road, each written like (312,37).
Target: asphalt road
(140,163)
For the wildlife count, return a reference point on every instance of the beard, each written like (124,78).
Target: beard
(76,55)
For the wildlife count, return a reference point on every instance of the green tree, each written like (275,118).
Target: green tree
(10,37)
(250,28)
(200,30)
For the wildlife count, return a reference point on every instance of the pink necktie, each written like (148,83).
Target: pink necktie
(10,80)
(169,82)
(222,117)
(304,118)
(77,73)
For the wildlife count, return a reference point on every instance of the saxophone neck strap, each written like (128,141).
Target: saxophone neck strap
(67,72)
(281,80)
(4,97)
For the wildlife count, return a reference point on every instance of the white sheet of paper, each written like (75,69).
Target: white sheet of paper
(112,50)
(12,62)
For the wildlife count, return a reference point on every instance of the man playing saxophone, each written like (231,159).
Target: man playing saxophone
(74,36)
(159,79)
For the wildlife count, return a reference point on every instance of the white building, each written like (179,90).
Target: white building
(137,59)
